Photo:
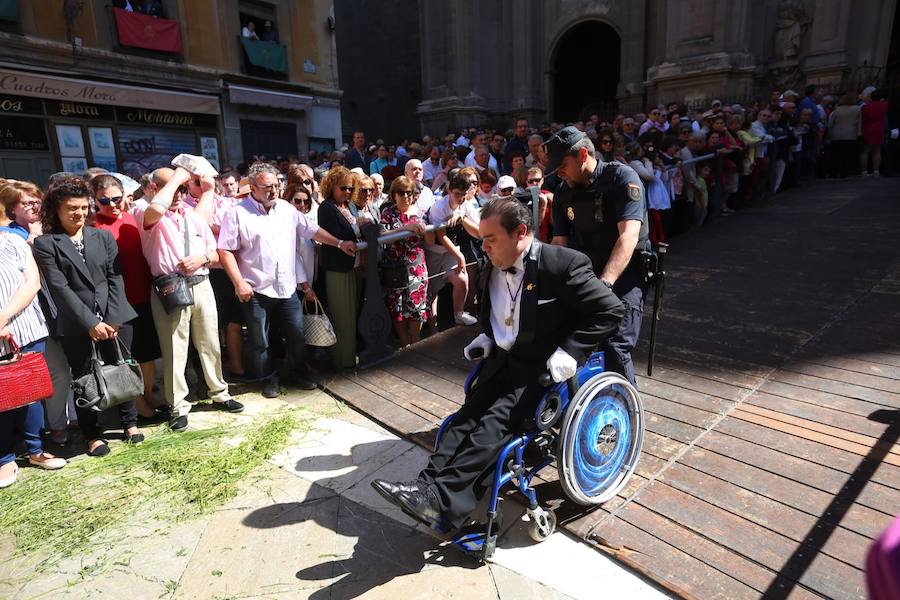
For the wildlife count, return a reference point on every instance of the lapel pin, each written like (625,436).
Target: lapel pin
(529,287)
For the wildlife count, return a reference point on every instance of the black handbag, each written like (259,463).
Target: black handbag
(173,290)
(108,384)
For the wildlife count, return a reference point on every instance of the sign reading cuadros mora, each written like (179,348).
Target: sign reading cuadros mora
(60,88)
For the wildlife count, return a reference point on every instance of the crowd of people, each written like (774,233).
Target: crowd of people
(82,259)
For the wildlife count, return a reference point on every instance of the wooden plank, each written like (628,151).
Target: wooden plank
(425,380)
(702,385)
(410,396)
(826,575)
(671,428)
(867,442)
(807,434)
(888,475)
(381,409)
(679,412)
(853,406)
(885,399)
(818,413)
(435,368)
(876,382)
(859,518)
(857,364)
(829,480)
(844,545)
(667,391)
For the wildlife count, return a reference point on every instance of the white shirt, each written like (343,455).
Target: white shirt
(462,141)
(430,170)
(441,212)
(504,286)
(425,201)
(267,245)
(492,162)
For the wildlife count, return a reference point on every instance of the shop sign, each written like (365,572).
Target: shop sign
(20,105)
(79,110)
(23,133)
(139,116)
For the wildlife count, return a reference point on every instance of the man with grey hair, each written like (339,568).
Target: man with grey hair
(259,245)
(416,173)
(379,198)
(535,156)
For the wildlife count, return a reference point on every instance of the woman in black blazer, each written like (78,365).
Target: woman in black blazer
(81,267)
(341,280)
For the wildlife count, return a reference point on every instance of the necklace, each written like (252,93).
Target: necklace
(512,297)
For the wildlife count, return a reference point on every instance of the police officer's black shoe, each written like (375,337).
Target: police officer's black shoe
(422,506)
(390,489)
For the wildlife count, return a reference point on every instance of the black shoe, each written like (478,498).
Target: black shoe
(101,450)
(304,384)
(178,424)
(390,489)
(421,506)
(231,405)
(271,388)
(137,438)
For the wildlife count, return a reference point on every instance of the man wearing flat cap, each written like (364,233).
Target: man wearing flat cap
(601,209)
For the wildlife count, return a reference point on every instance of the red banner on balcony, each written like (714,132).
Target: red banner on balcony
(146,32)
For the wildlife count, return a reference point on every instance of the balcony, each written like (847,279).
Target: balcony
(264,59)
(9,16)
(147,36)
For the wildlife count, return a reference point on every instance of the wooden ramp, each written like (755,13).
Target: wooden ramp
(771,457)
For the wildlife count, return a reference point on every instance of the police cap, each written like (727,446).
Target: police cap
(559,145)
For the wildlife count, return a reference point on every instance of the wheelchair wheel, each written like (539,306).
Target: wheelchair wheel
(542,524)
(600,439)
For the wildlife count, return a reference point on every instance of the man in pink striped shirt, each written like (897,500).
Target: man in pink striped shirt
(177,240)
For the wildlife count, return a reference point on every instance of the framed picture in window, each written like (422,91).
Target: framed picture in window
(75,165)
(102,145)
(70,140)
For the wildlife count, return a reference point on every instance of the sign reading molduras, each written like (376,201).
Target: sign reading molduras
(59,88)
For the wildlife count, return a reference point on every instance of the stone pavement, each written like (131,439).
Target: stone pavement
(309,525)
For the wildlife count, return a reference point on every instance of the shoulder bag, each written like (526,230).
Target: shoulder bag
(173,290)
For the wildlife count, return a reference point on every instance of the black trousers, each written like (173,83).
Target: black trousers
(78,352)
(618,347)
(461,469)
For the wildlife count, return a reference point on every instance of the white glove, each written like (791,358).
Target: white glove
(484,342)
(561,365)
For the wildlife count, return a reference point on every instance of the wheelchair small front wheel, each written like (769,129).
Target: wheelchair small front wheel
(541,524)
(600,439)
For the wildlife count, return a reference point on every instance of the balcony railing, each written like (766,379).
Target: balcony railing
(264,59)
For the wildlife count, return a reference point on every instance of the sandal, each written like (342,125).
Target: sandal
(45,460)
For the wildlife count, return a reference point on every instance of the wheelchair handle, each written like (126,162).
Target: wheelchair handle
(476,353)
(546,380)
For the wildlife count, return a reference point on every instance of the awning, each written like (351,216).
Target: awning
(239,94)
(36,85)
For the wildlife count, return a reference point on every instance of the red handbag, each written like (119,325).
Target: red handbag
(24,379)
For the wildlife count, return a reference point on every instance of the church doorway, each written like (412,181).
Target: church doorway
(585,72)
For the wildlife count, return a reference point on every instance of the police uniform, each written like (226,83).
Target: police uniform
(589,216)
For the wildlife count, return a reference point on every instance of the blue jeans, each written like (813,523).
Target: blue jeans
(28,419)
(261,312)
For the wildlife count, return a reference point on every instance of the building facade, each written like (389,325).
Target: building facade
(489,61)
(129,84)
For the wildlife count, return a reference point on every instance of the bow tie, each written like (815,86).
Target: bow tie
(511,270)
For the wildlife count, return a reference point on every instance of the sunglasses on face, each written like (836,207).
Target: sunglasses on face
(603,142)
(405,193)
(300,200)
(366,190)
(473,182)
(305,181)
(110,200)
(348,189)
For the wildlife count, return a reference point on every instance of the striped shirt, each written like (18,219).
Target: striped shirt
(28,326)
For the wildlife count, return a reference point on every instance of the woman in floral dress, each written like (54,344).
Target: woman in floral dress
(408,305)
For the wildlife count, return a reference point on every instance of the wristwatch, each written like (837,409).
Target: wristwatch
(207,262)
(606,283)
(339,244)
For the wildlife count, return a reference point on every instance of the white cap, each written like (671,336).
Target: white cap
(506,182)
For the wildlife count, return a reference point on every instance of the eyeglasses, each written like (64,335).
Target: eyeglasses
(299,200)
(405,193)
(111,200)
(534,180)
(32,204)
(347,188)
(603,142)
(366,190)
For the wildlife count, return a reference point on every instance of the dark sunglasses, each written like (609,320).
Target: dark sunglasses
(305,181)
(347,188)
(112,200)
(366,190)
(405,193)
(472,182)
(606,141)
(300,200)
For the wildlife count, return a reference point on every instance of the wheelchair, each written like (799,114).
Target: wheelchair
(591,426)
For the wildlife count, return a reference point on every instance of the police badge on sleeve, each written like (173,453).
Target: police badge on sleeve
(634,192)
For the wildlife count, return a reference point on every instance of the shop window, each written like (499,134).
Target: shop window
(143,149)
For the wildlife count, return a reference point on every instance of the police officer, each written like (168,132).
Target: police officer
(601,209)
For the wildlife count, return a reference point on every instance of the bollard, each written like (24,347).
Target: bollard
(374,324)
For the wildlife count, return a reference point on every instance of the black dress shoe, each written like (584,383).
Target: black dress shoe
(390,489)
(137,438)
(271,389)
(304,384)
(421,506)
(101,450)
(231,405)
(179,423)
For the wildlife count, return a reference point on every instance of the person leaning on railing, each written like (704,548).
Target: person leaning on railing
(408,305)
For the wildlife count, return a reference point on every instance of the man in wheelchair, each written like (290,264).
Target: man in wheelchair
(542,310)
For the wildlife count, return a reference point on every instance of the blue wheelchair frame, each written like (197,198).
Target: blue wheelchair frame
(550,410)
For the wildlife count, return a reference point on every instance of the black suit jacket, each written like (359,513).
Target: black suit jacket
(564,305)
(82,288)
(331,220)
